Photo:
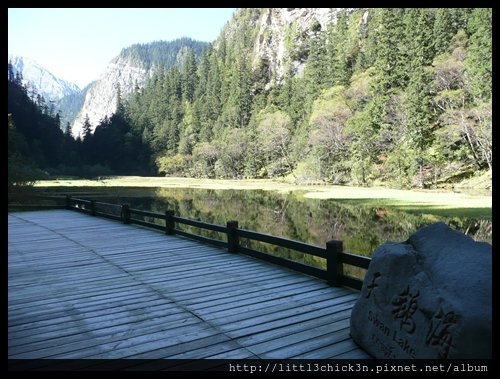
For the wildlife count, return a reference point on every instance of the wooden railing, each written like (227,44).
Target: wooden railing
(333,252)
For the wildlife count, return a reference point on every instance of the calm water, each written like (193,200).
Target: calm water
(362,228)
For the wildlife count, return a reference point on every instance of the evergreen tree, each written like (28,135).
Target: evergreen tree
(243,92)
(10,72)
(443,30)
(391,52)
(479,59)
(86,128)
(418,108)
(209,115)
(316,68)
(188,76)
(67,129)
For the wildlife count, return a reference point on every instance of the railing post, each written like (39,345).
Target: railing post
(233,241)
(334,268)
(125,214)
(68,202)
(169,222)
(92,207)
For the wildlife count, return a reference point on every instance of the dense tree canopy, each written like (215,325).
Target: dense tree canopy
(405,100)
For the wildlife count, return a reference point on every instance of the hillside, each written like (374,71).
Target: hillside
(399,97)
(361,96)
(128,72)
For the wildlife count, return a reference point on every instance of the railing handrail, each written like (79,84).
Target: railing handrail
(333,253)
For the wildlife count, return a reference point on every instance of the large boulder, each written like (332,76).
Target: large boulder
(427,298)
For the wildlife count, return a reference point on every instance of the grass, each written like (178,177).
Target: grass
(442,203)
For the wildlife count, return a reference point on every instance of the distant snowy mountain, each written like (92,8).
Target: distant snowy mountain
(66,97)
(45,83)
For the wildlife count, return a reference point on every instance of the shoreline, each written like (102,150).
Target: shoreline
(432,197)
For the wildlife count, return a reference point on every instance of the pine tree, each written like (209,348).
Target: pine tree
(86,128)
(120,107)
(57,120)
(419,49)
(188,76)
(10,72)
(443,30)
(67,130)
(316,68)
(243,100)
(479,59)
(339,71)
(418,117)
(390,53)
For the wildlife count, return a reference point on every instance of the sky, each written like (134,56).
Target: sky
(77,44)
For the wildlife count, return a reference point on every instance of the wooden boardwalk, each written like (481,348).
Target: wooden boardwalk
(87,287)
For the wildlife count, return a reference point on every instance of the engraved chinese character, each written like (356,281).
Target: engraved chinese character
(386,350)
(439,333)
(370,287)
(404,306)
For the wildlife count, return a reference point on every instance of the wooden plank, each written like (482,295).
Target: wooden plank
(50,312)
(265,349)
(80,326)
(241,320)
(228,286)
(210,241)
(136,345)
(355,260)
(93,317)
(26,321)
(315,339)
(109,292)
(256,332)
(329,351)
(242,353)
(198,349)
(61,345)
(295,305)
(306,269)
(131,292)
(200,224)
(283,242)
(353,354)
(241,298)
(269,333)
(33,342)
(257,302)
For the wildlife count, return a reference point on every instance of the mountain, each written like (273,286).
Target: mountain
(283,35)
(397,96)
(359,96)
(128,71)
(42,80)
(70,105)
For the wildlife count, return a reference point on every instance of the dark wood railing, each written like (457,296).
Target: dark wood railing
(333,252)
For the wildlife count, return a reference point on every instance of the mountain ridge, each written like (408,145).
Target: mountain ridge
(128,71)
(43,80)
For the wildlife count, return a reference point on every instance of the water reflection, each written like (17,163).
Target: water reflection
(362,228)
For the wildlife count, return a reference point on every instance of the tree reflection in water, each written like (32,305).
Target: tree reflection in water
(362,227)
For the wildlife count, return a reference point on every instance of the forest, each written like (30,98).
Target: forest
(404,100)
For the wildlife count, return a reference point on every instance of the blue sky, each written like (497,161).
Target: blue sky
(76,44)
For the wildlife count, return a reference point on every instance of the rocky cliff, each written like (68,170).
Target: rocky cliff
(283,34)
(131,68)
(281,38)
(277,25)
(121,74)
(42,80)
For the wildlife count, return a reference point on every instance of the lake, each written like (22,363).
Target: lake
(361,227)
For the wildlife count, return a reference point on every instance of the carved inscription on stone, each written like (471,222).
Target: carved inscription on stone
(429,297)
(439,333)
(404,306)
